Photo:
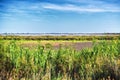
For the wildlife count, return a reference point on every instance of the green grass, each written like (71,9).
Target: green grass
(100,62)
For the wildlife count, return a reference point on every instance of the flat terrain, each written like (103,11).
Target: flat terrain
(78,45)
(59,60)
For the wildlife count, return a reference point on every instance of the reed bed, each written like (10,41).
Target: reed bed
(100,62)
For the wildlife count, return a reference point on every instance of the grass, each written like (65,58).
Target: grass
(100,62)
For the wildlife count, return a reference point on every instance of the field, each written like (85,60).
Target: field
(60,58)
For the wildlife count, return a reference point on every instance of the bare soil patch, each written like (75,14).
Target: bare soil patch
(57,45)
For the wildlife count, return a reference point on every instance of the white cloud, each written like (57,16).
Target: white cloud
(24,8)
(83,8)
(40,8)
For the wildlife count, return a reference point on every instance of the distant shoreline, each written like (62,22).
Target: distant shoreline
(59,34)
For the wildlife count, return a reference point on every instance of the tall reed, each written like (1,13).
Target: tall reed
(102,61)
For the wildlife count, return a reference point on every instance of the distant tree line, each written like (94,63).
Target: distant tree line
(88,38)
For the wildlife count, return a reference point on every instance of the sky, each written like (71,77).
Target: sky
(59,16)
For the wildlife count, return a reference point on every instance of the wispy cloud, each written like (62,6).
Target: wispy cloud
(36,9)
(96,2)
(20,9)
(49,14)
(88,7)
(24,10)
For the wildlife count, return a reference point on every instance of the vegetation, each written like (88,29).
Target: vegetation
(78,38)
(100,62)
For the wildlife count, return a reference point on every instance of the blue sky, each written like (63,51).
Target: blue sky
(59,16)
